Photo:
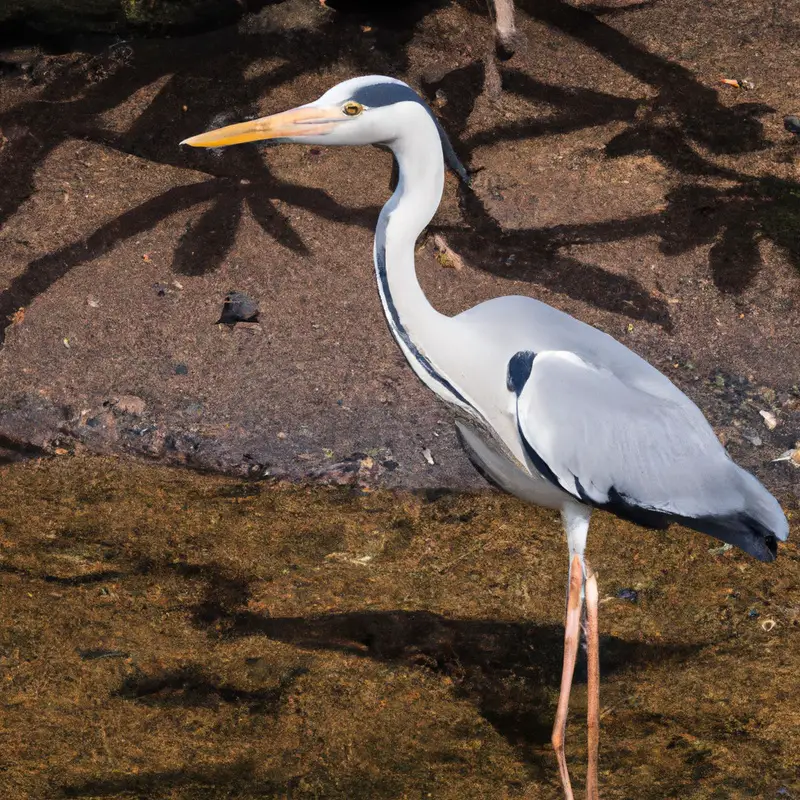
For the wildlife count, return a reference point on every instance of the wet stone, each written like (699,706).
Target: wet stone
(631,595)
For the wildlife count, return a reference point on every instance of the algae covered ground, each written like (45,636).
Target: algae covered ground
(167,634)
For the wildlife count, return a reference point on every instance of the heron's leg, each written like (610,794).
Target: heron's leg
(572,633)
(593,658)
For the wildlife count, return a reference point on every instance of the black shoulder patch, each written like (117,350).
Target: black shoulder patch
(519,370)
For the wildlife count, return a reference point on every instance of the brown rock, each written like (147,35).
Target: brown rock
(130,404)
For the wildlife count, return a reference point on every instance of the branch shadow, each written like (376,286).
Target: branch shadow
(509,671)
(87,579)
(684,127)
(533,255)
(238,183)
(192,687)
(683,120)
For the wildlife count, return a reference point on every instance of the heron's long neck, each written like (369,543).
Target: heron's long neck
(416,325)
(404,217)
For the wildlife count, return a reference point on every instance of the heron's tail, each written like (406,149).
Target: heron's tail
(763,507)
(756,527)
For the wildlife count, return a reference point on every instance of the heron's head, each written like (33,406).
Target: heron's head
(372,109)
(364,110)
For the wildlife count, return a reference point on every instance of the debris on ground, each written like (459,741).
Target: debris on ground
(445,255)
(162,290)
(739,83)
(718,551)
(792,456)
(129,404)
(770,420)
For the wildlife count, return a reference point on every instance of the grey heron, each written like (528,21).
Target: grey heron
(551,409)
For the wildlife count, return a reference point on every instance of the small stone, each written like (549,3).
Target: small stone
(181,369)
(130,404)
(792,124)
(428,456)
(238,307)
(92,302)
(718,551)
(631,595)
(753,438)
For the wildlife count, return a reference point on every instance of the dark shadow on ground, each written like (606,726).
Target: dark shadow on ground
(684,126)
(508,670)
(239,778)
(191,687)
(685,116)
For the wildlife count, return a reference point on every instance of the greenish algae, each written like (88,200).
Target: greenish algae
(173,635)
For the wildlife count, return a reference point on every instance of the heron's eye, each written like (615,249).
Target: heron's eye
(352,109)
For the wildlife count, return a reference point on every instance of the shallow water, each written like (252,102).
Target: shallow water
(173,635)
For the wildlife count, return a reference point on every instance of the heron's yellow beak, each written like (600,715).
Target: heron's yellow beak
(303,121)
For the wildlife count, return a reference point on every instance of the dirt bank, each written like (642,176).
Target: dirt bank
(616,179)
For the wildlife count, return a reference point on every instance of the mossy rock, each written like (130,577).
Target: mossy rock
(117,16)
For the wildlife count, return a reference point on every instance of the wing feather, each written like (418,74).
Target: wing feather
(604,441)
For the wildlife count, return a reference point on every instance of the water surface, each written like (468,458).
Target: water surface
(174,635)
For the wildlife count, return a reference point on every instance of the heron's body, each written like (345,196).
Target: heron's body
(594,423)
(553,410)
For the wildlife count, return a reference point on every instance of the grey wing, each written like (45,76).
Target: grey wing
(637,454)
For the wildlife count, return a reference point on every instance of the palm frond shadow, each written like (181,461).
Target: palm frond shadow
(684,127)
